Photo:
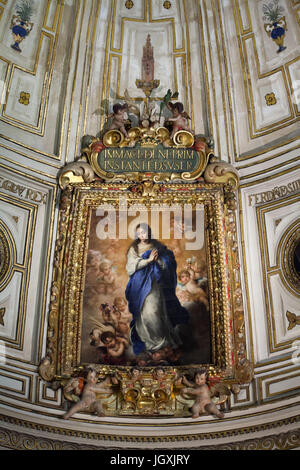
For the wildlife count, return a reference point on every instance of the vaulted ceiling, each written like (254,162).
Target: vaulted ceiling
(240,85)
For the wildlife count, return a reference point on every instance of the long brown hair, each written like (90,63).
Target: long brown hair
(147,229)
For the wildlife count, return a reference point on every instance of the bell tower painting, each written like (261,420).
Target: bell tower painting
(148,61)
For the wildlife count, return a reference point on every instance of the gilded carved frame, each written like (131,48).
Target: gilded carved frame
(211,184)
(229,366)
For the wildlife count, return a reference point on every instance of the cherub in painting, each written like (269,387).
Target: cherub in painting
(121,306)
(106,278)
(121,316)
(122,326)
(106,313)
(92,271)
(96,332)
(95,336)
(197,269)
(188,284)
(115,347)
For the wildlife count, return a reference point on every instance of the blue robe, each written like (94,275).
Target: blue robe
(140,285)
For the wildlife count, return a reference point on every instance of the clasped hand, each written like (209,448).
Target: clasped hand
(153,255)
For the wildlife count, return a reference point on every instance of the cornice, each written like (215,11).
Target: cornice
(16,439)
(22,441)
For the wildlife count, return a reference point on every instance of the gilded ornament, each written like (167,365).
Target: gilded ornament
(150,393)
(47,369)
(293,320)
(270,99)
(76,172)
(134,133)
(24,98)
(244,369)
(183,139)
(147,392)
(136,158)
(146,189)
(280,441)
(113,138)
(162,134)
(129,4)
(221,172)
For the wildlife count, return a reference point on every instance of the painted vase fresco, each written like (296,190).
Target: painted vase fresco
(276,26)
(20,23)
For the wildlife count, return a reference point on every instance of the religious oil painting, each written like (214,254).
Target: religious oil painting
(146,277)
(145,299)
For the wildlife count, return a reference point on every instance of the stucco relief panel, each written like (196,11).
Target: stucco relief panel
(32,75)
(24,205)
(16,220)
(274,220)
(266,65)
(29,69)
(175,37)
(270,212)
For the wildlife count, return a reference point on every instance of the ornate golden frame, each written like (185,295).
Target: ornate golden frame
(230,366)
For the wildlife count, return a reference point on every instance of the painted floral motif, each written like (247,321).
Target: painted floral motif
(276,26)
(20,23)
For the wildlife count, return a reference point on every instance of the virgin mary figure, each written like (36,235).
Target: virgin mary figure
(151,294)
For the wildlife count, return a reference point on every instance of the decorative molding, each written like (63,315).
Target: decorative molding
(19,441)
(6,254)
(79,171)
(289,249)
(293,319)
(15,440)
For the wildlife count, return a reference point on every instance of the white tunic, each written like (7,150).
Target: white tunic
(153,325)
